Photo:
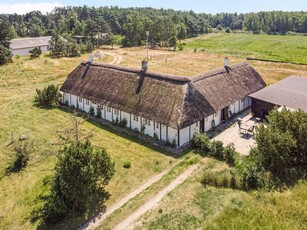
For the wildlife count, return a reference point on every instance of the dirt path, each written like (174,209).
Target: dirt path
(129,222)
(93,223)
(117,58)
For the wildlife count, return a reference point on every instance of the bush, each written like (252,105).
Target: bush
(21,157)
(181,46)
(98,115)
(214,149)
(227,30)
(156,136)
(123,123)
(143,129)
(48,97)
(127,164)
(202,143)
(230,154)
(92,111)
(174,143)
(35,53)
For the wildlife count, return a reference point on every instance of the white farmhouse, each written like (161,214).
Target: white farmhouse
(22,46)
(169,107)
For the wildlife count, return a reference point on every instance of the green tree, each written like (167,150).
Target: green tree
(282,146)
(57,46)
(35,53)
(48,97)
(6,34)
(81,174)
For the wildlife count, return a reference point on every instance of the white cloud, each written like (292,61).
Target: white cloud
(23,8)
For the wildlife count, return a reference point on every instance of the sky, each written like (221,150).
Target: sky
(199,6)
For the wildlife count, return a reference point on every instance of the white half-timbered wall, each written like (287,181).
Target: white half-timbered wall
(162,131)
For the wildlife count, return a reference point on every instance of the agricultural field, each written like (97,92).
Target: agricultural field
(287,48)
(20,79)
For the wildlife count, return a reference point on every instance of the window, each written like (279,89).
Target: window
(116,111)
(100,106)
(157,125)
(147,122)
(109,110)
(80,99)
(135,118)
(242,100)
(87,102)
(207,119)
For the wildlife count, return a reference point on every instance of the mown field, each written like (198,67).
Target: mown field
(18,82)
(290,48)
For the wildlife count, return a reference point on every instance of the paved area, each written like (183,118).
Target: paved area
(129,222)
(243,142)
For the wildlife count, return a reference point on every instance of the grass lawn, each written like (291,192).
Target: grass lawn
(18,82)
(288,48)
(193,206)
(18,191)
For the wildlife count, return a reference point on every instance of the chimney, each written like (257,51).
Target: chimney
(226,62)
(144,66)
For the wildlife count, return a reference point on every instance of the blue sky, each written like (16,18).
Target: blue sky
(207,6)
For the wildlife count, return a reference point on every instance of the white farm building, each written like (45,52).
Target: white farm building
(169,107)
(22,46)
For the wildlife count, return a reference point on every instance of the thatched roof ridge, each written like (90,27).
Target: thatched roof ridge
(218,71)
(175,101)
(162,76)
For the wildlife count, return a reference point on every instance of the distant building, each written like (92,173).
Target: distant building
(22,46)
(290,93)
(164,106)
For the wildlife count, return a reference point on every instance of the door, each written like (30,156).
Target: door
(202,126)
(224,114)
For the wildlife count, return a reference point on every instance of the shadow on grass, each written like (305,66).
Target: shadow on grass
(133,137)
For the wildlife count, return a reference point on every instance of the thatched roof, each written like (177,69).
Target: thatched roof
(176,101)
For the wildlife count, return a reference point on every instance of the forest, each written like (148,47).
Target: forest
(163,26)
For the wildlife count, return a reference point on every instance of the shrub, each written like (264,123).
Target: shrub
(98,115)
(127,164)
(227,30)
(217,149)
(123,123)
(174,143)
(181,46)
(143,129)
(48,97)
(230,154)
(92,111)
(35,53)
(202,143)
(21,157)
(156,136)
(168,143)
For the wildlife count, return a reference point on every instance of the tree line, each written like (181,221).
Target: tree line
(162,24)
(135,26)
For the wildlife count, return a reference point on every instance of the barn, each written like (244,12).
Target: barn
(290,93)
(22,46)
(164,106)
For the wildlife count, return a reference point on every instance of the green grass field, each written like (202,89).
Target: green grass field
(288,48)
(193,206)
(17,113)
(190,203)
